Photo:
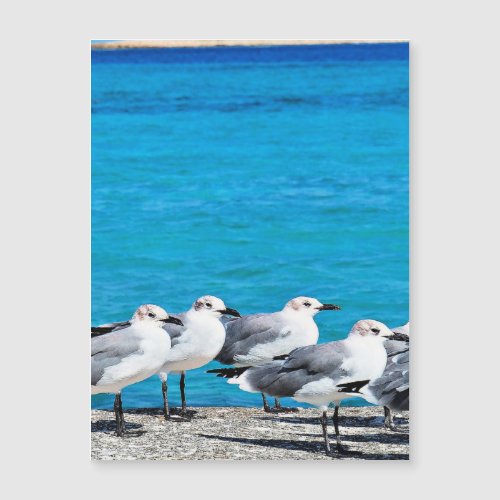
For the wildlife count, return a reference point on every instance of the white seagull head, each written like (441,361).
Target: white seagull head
(370,328)
(153,314)
(213,306)
(308,306)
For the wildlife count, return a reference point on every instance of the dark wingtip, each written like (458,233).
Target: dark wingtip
(281,357)
(228,372)
(353,387)
(96,331)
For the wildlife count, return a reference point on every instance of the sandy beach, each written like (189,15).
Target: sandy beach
(159,44)
(246,434)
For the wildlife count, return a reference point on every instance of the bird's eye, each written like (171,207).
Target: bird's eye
(152,315)
(376,331)
(307,304)
(208,305)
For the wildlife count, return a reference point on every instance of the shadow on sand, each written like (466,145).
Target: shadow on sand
(343,421)
(176,414)
(308,446)
(109,427)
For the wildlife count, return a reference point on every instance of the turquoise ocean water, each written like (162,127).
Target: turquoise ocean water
(252,174)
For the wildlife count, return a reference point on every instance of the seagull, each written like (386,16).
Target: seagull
(321,374)
(194,344)
(127,352)
(392,389)
(257,339)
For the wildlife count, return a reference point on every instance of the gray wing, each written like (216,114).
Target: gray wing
(244,333)
(392,389)
(304,365)
(396,346)
(175,331)
(403,342)
(224,319)
(109,350)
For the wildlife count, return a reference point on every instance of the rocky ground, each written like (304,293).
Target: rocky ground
(246,434)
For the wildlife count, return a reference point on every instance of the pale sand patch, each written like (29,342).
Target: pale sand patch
(157,44)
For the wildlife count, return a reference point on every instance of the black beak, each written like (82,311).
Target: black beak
(398,336)
(232,312)
(329,307)
(174,320)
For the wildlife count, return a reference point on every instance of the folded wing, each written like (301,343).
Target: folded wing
(244,334)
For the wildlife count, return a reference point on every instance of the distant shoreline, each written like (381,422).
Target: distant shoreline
(162,44)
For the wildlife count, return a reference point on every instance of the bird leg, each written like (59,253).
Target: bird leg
(324,426)
(166,409)
(388,420)
(183,393)
(120,421)
(340,447)
(278,408)
(267,408)
(122,418)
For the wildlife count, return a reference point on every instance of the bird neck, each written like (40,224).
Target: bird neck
(201,317)
(370,342)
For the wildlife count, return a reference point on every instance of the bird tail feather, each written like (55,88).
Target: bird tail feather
(229,372)
(353,387)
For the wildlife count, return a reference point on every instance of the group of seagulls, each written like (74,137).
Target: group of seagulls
(275,354)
